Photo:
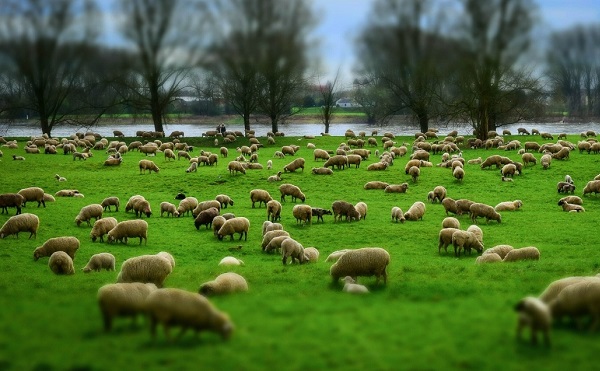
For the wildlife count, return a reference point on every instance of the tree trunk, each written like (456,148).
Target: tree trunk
(274,124)
(423,122)
(246,122)
(46,127)
(156,110)
(327,127)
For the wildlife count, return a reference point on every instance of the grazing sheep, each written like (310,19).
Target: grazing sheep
(235,167)
(295,250)
(339,161)
(396,188)
(142,207)
(450,205)
(260,196)
(375,185)
(33,194)
(464,206)
(367,261)
(102,227)
(458,173)
(270,226)
(551,292)
(321,171)
(416,211)
(11,200)
(61,263)
(110,201)
(100,261)
(225,283)
(572,200)
(145,269)
(176,307)
(192,168)
(438,193)
(536,315)
(274,210)
(578,300)
(205,217)
(132,201)
(88,212)
(500,250)
(275,243)
(488,258)
(509,170)
(570,207)
(350,286)
(302,213)
(20,223)
(129,228)
(545,161)
(483,210)
(224,200)
(450,222)
(528,158)
(343,208)
(292,190)
(524,253)
(275,178)
(466,240)
(230,260)
(398,215)
(445,238)
(312,254)
(269,236)
(122,300)
(187,205)
(592,186)
(169,208)
(238,224)
(509,205)
(294,165)
(319,212)
(321,154)
(362,208)
(147,165)
(334,256)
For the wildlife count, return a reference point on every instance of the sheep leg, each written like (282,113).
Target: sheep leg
(107,321)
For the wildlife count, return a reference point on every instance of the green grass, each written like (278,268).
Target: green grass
(436,312)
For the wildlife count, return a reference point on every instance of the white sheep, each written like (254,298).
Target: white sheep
(570,207)
(334,256)
(176,307)
(451,222)
(577,300)
(230,260)
(350,286)
(68,244)
(129,228)
(187,205)
(101,227)
(551,292)
(302,213)
(110,201)
(294,249)
(25,222)
(416,211)
(292,190)
(366,261)
(148,165)
(488,258)
(238,224)
(482,210)
(61,263)
(275,178)
(509,205)
(100,261)
(123,299)
(275,243)
(88,212)
(146,269)
(312,254)
(535,314)
(169,208)
(362,209)
(225,283)
(398,215)
(524,253)
(466,240)
(168,257)
(270,235)
(33,194)
(260,196)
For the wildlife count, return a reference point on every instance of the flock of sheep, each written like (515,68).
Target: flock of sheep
(140,280)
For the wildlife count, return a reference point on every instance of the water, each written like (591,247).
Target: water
(194,130)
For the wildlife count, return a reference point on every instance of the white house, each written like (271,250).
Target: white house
(346,102)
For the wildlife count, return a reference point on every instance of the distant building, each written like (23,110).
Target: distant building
(346,102)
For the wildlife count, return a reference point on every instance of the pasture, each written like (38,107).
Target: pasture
(436,311)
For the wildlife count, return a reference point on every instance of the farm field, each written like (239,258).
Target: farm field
(436,311)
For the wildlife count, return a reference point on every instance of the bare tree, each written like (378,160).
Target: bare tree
(44,52)
(329,94)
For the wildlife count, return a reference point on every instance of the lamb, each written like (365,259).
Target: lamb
(350,286)
(450,222)
(294,165)
(269,236)
(176,307)
(445,238)
(483,210)
(572,200)
(224,200)
(343,208)
(61,263)
(509,205)
(592,186)
(488,258)
(88,212)
(570,207)
(466,240)
(396,188)
(102,227)
(142,207)
(20,223)
(416,211)
(147,165)
(225,283)
(260,196)
(375,185)
(205,217)
(398,215)
(187,205)
(536,315)
(275,178)
(33,194)
(362,208)
(524,253)
(11,200)
(145,269)
(475,161)
(367,261)
(100,261)
(274,210)
(230,260)
(290,189)
(312,254)
(110,201)
(67,244)
(302,213)
(238,224)
(578,299)
(169,208)
(122,299)
(292,248)
(129,228)
(235,167)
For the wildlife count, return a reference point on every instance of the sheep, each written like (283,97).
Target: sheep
(414,172)
(576,300)
(509,170)
(362,208)
(592,186)
(224,151)
(551,292)
(545,161)
(343,208)
(68,244)
(375,185)
(225,283)
(450,222)
(491,160)
(366,261)
(205,217)
(295,250)
(145,269)
(524,253)
(100,261)
(292,190)
(11,200)
(466,240)
(61,263)
(88,212)
(488,258)
(450,205)
(110,201)
(319,212)
(176,307)
(570,207)
(398,215)
(142,207)
(350,286)
(235,167)
(169,208)
(187,205)
(445,238)
(101,227)
(535,314)
(275,178)
(66,193)
(122,299)
(302,213)
(321,154)
(270,226)
(438,193)
(269,236)
(463,206)
(260,196)
(294,165)
(509,205)
(396,188)
(147,165)
(33,194)
(321,171)
(528,158)
(20,223)
(334,256)
(275,243)
(273,210)
(339,161)
(230,260)
(564,187)
(238,224)
(192,168)
(312,254)
(18,158)
(224,200)
(377,166)
(458,173)
(500,250)
(483,210)
(572,200)
(129,228)
(288,150)
(416,211)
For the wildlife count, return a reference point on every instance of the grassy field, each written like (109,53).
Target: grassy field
(436,311)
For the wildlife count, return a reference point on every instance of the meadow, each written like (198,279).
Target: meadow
(437,311)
